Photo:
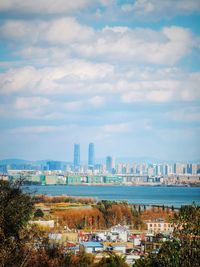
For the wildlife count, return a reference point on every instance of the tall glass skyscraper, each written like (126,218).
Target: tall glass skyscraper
(76,155)
(91,155)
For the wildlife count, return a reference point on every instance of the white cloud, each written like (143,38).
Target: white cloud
(46,6)
(38,129)
(83,84)
(179,88)
(31,102)
(116,128)
(66,30)
(86,85)
(21,30)
(31,107)
(73,106)
(18,79)
(85,70)
(142,9)
(97,101)
(94,102)
(166,46)
(187,114)
(153,9)
(56,31)
(68,78)
(145,95)
(45,55)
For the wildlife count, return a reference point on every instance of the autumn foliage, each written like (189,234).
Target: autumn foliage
(60,199)
(81,218)
(98,217)
(157,213)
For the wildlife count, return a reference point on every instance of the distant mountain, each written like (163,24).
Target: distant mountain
(99,160)
(23,161)
(14,161)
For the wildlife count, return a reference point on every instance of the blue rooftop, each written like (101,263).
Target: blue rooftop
(92,244)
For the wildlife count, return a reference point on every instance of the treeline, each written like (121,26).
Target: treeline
(103,215)
(67,199)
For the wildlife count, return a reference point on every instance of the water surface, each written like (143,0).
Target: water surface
(147,195)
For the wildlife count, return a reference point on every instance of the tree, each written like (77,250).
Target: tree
(15,211)
(38,213)
(113,260)
(184,249)
(136,218)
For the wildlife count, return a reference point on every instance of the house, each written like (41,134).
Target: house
(159,226)
(118,247)
(92,247)
(119,233)
(136,239)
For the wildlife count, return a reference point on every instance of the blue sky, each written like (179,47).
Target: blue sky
(122,74)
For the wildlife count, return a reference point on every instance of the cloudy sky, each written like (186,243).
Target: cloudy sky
(122,74)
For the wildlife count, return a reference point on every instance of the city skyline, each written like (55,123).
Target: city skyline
(79,156)
(109,167)
(123,74)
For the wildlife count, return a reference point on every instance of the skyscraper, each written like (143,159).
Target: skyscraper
(91,155)
(110,164)
(76,155)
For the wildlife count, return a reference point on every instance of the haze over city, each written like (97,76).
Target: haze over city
(122,74)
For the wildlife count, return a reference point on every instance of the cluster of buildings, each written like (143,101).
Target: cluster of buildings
(110,172)
(69,178)
(132,244)
(111,167)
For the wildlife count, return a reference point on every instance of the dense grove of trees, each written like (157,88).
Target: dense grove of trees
(80,218)
(106,214)
(103,215)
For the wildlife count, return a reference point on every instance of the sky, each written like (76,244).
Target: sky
(122,74)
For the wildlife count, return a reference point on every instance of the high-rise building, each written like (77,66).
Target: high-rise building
(110,164)
(91,155)
(194,168)
(179,168)
(119,168)
(159,169)
(76,155)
